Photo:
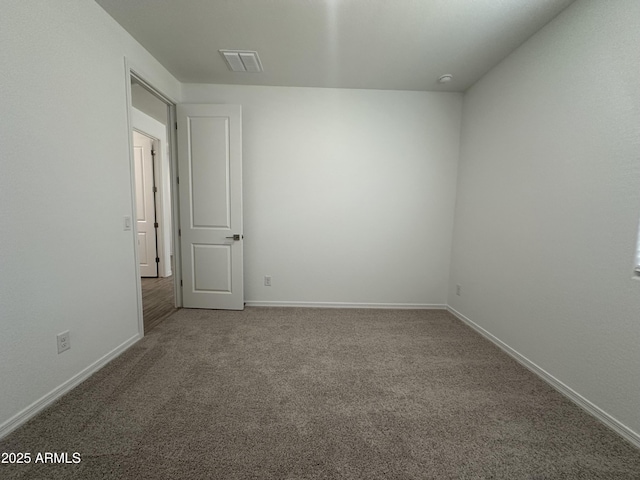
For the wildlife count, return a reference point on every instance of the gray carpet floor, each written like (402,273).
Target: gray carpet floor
(274,393)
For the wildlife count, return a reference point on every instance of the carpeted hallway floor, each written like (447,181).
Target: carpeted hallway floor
(273,393)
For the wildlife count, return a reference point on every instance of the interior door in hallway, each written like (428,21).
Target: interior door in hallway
(145,204)
(210,185)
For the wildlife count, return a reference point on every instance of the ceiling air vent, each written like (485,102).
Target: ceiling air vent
(242,60)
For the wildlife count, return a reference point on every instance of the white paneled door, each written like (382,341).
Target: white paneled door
(210,184)
(145,205)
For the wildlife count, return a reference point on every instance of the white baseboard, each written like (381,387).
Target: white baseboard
(39,405)
(399,306)
(567,391)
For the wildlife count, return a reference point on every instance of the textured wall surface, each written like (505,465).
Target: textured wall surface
(349,197)
(549,200)
(348,194)
(65,263)
(146,102)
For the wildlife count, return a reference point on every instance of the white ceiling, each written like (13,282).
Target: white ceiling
(380,44)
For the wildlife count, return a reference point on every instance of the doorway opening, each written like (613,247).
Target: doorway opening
(146,150)
(153,157)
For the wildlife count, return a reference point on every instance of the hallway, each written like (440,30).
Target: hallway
(157,301)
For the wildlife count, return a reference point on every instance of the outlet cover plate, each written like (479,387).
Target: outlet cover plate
(63,341)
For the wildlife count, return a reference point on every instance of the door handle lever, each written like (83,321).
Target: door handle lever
(235,237)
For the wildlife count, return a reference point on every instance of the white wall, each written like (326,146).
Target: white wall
(148,103)
(65,262)
(549,201)
(348,197)
(348,194)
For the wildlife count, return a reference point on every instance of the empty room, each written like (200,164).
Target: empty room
(395,239)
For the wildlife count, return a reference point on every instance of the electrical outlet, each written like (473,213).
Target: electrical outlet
(267,280)
(458,290)
(63,341)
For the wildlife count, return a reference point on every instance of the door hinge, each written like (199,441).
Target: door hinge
(153,153)
(157,260)
(180,282)
(178,180)
(155,225)
(179,232)
(155,189)
(176,125)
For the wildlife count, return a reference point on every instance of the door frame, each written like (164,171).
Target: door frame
(132,73)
